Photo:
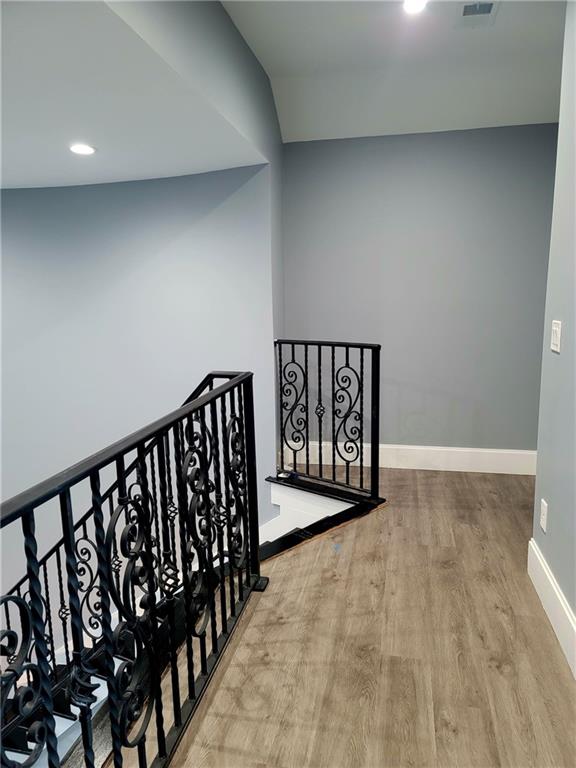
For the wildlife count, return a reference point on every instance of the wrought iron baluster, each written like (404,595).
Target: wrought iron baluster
(251,480)
(38,631)
(293,424)
(201,576)
(16,682)
(81,688)
(49,618)
(156,541)
(245,488)
(106,575)
(306,405)
(133,636)
(219,513)
(63,610)
(236,493)
(362,417)
(280,405)
(205,458)
(169,580)
(184,555)
(156,683)
(115,560)
(333,355)
(294,464)
(346,461)
(375,423)
(228,504)
(320,411)
(172,511)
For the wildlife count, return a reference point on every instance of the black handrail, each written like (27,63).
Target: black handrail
(168,554)
(309,343)
(328,393)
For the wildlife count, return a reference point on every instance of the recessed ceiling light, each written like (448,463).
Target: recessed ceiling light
(82,149)
(414,6)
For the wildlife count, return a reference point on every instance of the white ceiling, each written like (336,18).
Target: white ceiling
(74,71)
(343,69)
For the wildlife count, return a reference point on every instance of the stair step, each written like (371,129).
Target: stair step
(16,740)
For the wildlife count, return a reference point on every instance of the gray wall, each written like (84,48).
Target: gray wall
(436,246)
(201,42)
(117,299)
(556,470)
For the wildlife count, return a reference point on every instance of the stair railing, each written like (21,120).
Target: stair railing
(127,614)
(328,401)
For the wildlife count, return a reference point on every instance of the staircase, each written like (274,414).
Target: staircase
(110,637)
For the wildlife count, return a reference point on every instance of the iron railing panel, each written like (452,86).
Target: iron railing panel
(328,411)
(128,613)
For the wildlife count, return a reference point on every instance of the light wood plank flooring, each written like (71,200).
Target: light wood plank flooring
(410,637)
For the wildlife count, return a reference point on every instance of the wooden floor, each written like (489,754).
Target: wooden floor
(410,637)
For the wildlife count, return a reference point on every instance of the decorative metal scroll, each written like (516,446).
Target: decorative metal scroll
(346,398)
(292,390)
(236,473)
(20,681)
(133,595)
(91,606)
(199,521)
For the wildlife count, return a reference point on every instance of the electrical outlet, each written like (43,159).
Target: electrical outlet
(543,514)
(556,334)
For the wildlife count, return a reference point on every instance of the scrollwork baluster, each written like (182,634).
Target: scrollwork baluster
(63,611)
(106,576)
(50,636)
(280,407)
(362,417)
(306,409)
(235,447)
(207,489)
(251,484)
(228,501)
(16,646)
(38,632)
(184,556)
(169,581)
(132,636)
(150,599)
(293,416)
(245,487)
(375,422)
(81,688)
(320,411)
(219,513)
(346,398)
(199,530)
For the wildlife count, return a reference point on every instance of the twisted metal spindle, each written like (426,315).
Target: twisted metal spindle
(105,576)
(81,687)
(38,629)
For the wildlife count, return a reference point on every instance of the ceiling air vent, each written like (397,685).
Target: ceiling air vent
(477,9)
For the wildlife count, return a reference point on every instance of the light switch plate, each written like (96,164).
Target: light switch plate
(543,514)
(556,334)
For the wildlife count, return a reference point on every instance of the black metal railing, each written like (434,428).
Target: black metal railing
(328,396)
(109,638)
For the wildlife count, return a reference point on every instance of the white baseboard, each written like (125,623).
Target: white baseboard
(297,510)
(555,604)
(445,458)
(496,460)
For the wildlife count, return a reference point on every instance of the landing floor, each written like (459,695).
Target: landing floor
(410,637)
